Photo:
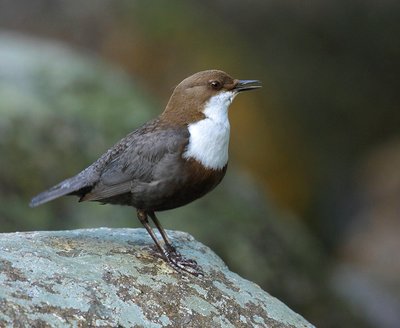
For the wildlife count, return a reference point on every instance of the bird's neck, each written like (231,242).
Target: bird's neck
(182,109)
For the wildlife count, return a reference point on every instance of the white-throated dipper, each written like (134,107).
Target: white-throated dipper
(169,161)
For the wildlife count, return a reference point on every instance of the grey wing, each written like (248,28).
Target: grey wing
(140,162)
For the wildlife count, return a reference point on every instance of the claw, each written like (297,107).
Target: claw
(178,262)
(168,252)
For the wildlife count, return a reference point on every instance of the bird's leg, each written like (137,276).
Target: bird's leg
(164,235)
(142,216)
(174,258)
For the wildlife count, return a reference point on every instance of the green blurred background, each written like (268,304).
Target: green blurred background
(310,207)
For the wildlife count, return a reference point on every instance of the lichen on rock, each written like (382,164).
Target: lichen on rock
(113,277)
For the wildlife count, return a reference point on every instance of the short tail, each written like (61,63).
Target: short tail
(75,186)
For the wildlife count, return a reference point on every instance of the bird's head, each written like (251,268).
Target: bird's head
(205,94)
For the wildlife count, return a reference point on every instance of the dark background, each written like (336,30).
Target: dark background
(310,207)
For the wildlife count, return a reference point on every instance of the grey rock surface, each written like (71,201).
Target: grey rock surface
(114,278)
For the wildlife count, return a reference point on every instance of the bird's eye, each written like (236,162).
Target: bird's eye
(216,85)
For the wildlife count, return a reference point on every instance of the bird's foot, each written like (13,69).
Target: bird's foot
(178,262)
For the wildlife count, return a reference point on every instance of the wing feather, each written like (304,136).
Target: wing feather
(136,158)
(139,163)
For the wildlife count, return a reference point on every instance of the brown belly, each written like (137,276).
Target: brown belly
(192,182)
(189,191)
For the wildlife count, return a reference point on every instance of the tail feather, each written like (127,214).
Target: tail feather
(69,186)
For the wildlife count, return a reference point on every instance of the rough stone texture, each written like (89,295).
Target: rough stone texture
(113,278)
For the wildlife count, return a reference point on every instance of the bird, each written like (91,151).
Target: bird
(168,162)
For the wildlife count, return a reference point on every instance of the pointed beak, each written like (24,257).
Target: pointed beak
(244,85)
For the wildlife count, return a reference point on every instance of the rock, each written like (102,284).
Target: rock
(113,278)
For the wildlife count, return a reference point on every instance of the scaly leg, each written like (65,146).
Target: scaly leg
(174,258)
(164,235)
(142,216)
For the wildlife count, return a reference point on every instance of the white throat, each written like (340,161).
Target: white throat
(209,138)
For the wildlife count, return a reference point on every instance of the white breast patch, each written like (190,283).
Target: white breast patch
(209,138)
